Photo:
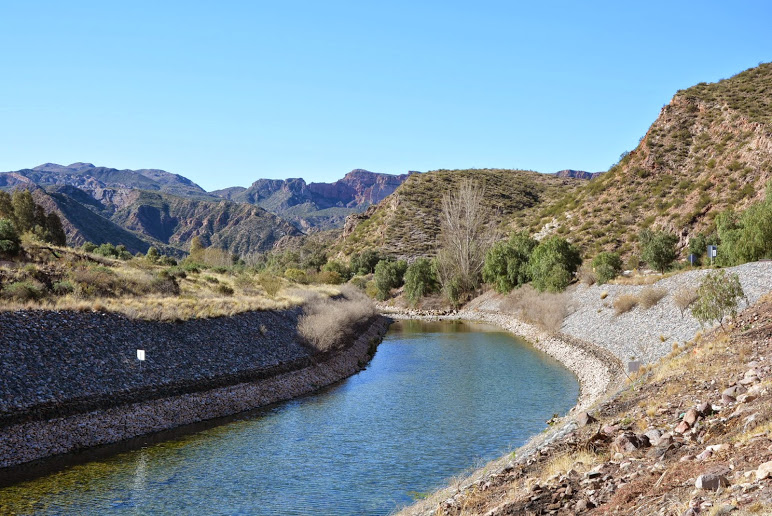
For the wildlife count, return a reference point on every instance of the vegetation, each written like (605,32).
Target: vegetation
(464,240)
(553,263)
(684,297)
(607,266)
(658,249)
(420,280)
(747,237)
(328,323)
(718,295)
(650,296)
(545,310)
(22,215)
(506,263)
(388,275)
(10,243)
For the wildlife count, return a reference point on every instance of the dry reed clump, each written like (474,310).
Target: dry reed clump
(544,309)
(586,275)
(684,297)
(650,296)
(624,303)
(327,322)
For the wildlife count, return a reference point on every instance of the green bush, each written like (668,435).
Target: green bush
(388,275)
(718,295)
(224,289)
(553,263)
(607,266)
(329,277)
(420,280)
(23,291)
(364,263)
(63,287)
(270,283)
(506,263)
(341,269)
(296,275)
(10,243)
(658,248)
(748,237)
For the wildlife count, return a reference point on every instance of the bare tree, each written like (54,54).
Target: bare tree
(464,239)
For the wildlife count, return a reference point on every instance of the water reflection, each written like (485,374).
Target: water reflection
(436,398)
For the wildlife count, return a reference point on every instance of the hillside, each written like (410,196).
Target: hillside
(709,149)
(407,223)
(317,205)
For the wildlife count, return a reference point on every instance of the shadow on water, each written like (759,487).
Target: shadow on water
(436,398)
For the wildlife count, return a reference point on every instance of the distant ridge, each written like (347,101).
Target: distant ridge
(577,174)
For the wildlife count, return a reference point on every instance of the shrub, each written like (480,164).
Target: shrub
(329,277)
(388,275)
(553,264)
(23,291)
(624,303)
(545,310)
(327,323)
(506,263)
(64,287)
(658,249)
(718,295)
(10,243)
(224,289)
(684,297)
(586,275)
(364,263)
(339,268)
(359,281)
(607,266)
(650,296)
(296,275)
(270,283)
(420,280)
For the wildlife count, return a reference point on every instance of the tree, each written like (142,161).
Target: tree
(506,263)
(464,240)
(607,266)
(420,280)
(24,209)
(717,296)
(6,206)
(339,268)
(553,263)
(388,275)
(10,243)
(152,254)
(364,263)
(196,249)
(658,248)
(54,232)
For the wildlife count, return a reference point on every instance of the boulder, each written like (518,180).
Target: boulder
(691,417)
(705,409)
(584,419)
(682,427)
(711,482)
(626,443)
(764,471)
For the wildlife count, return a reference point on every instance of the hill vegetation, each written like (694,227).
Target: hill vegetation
(710,149)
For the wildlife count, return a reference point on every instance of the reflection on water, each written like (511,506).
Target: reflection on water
(436,398)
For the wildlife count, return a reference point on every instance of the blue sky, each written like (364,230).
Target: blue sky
(228,92)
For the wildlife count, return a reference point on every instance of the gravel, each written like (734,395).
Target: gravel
(649,334)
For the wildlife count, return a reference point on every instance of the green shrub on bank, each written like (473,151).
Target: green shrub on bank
(388,275)
(658,249)
(420,280)
(718,295)
(10,243)
(553,263)
(506,263)
(607,266)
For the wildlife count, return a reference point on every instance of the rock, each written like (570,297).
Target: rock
(626,443)
(764,471)
(724,509)
(730,391)
(746,398)
(610,429)
(711,482)
(654,436)
(682,427)
(580,506)
(705,455)
(727,399)
(584,419)
(705,409)
(691,417)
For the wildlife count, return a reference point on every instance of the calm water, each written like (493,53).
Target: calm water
(436,399)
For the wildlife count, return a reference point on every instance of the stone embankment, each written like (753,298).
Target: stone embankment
(71,380)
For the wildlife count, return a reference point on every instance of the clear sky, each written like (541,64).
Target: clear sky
(228,92)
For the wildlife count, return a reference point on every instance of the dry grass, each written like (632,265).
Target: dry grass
(586,275)
(580,461)
(544,309)
(650,296)
(684,297)
(624,303)
(327,322)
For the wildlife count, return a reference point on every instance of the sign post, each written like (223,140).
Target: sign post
(712,252)
(140,357)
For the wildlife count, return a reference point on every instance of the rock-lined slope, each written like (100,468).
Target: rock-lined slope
(317,205)
(709,149)
(407,223)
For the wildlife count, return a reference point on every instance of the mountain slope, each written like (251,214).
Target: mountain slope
(709,149)
(407,223)
(317,205)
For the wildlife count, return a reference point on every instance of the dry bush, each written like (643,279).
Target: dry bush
(327,323)
(650,296)
(684,297)
(624,303)
(586,275)
(270,283)
(544,309)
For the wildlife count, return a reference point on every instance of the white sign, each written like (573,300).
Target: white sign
(141,354)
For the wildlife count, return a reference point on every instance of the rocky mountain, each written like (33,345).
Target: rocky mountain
(710,149)
(317,206)
(406,224)
(93,179)
(578,174)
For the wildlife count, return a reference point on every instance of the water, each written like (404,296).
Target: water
(436,399)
